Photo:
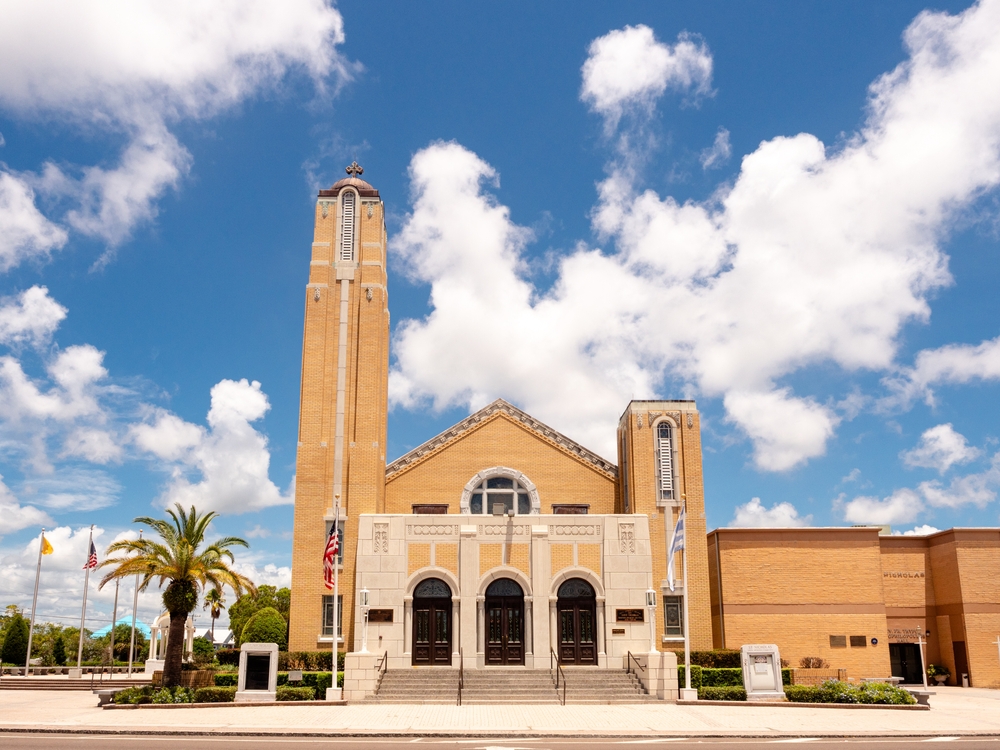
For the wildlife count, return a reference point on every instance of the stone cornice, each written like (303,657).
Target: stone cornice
(498,407)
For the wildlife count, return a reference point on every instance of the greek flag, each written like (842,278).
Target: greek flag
(676,545)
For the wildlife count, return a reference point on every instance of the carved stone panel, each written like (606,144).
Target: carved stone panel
(381,539)
(626,538)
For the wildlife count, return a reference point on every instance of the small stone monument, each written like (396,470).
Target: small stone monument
(762,672)
(258,680)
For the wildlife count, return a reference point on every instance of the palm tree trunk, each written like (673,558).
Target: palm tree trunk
(175,649)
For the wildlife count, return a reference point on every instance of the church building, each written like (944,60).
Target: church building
(502,542)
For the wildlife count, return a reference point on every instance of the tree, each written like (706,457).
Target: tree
(266,626)
(185,563)
(15,641)
(216,601)
(59,651)
(249,604)
(123,639)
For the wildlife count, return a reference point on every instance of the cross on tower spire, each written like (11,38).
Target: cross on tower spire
(355,169)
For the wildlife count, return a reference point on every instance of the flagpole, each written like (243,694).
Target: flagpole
(687,630)
(336,590)
(114,621)
(34,602)
(135,606)
(83,614)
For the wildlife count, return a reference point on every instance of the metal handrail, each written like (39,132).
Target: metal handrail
(558,671)
(628,664)
(461,674)
(382,665)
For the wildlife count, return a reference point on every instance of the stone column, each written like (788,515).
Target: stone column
(407,629)
(529,640)
(468,581)
(456,618)
(542,624)
(602,656)
(480,626)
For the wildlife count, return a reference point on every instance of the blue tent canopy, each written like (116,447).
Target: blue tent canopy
(140,626)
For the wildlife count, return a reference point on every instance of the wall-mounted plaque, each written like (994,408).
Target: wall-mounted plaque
(379,615)
(617,631)
(630,615)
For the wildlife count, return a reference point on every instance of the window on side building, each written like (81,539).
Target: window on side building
(328,616)
(340,526)
(673,616)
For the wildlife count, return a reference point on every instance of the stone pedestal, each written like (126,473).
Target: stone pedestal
(360,677)
(657,672)
(258,677)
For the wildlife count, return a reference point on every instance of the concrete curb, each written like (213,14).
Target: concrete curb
(498,735)
(799,704)
(224,704)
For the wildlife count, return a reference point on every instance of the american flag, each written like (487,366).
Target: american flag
(92,559)
(330,555)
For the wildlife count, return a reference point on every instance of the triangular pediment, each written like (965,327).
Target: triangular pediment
(501,409)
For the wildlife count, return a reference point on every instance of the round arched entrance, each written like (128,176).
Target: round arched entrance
(432,623)
(577,608)
(504,622)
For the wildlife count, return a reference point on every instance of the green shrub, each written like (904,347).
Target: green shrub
(786,677)
(695,677)
(227,679)
(215,695)
(266,626)
(286,693)
(130,695)
(312,661)
(319,681)
(149,694)
(230,656)
(727,677)
(728,693)
(15,641)
(59,651)
(720,658)
(835,691)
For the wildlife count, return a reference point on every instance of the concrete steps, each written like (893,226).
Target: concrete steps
(509,685)
(64,683)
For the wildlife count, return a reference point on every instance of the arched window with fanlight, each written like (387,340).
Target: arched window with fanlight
(666,462)
(500,491)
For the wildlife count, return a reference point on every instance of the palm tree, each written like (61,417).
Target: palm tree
(216,601)
(182,560)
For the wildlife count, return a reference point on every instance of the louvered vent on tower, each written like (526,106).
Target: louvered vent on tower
(347,226)
(666,463)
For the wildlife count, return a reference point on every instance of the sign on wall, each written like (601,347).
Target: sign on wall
(630,615)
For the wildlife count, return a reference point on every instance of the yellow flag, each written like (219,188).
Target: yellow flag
(46,547)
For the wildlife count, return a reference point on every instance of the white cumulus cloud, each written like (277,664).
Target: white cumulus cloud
(231,459)
(629,68)
(133,69)
(812,256)
(30,317)
(753,515)
(902,506)
(718,153)
(940,448)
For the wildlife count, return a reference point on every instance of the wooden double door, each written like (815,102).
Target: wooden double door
(504,623)
(577,611)
(432,624)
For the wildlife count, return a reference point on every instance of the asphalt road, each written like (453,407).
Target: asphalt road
(17,741)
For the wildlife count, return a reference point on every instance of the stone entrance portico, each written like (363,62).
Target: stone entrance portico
(539,553)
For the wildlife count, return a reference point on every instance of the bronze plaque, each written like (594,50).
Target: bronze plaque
(630,615)
(379,615)
(617,631)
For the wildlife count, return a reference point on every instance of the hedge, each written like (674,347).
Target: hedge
(319,681)
(312,661)
(286,693)
(720,658)
(727,677)
(215,695)
(149,694)
(835,691)
(728,693)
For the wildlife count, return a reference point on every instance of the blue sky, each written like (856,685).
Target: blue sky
(740,204)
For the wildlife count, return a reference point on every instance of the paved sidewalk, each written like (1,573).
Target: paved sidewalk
(955,712)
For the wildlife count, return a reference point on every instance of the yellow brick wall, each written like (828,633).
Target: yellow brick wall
(589,557)
(490,556)
(562,557)
(517,557)
(418,555)
(500,440)
(446,556)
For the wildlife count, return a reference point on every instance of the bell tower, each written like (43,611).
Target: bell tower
(343,401)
